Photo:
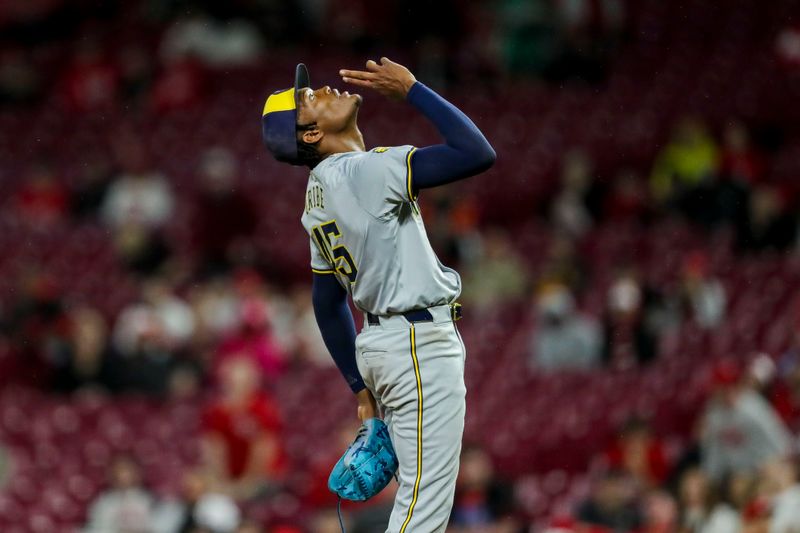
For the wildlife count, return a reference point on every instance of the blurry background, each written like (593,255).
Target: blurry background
(631,263)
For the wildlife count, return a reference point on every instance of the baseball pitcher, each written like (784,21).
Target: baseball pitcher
(368,240)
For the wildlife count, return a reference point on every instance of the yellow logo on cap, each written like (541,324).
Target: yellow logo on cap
(282,101)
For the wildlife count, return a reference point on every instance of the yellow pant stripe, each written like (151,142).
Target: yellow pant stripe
(419,430)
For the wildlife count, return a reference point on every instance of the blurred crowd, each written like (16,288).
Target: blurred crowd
(216,328)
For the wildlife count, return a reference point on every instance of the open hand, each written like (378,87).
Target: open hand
(388,78)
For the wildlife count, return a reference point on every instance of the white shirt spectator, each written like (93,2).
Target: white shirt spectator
(723,519)
(786,511)
(145,199)
(564,339)
(741,435)
(708,303)
(120,511)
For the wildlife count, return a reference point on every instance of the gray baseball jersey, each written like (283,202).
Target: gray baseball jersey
(365,228)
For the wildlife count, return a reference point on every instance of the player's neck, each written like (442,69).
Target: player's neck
(349,140)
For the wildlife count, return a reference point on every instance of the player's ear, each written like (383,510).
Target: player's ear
(312,136)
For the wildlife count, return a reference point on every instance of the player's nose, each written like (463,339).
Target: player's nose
(327,89)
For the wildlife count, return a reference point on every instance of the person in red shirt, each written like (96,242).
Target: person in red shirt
(91,82)
(41,200)
(741,161)
(242,445)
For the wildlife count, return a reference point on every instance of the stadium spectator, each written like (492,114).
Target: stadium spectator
(684,170)
(216,513)
(160,313)
(589,30)
(136,73)
(86,359)
(146,348)
(308,341)
(563,338)
(639,454)
(612,504)
(563,265)
(42,200)
(787,46)
(482,501)
(91,184)
(528,40)
(173,313)
(199,508)
(90,82)
(143,251)
(224,217)
(701,509)
(578,202)
(498,274)
(703,297)
(635,318)
(140,194)
(214,42)
(454,231)
(740,431)
(216,309)
(242,446)
(765,226)
(780,486)
(126,506)
(627,199)
(254,340)
(742,168)
(35,323)
(659,512)
(180,85)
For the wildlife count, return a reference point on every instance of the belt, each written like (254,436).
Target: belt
(418,315)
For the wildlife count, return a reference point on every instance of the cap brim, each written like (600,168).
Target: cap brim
(301,78)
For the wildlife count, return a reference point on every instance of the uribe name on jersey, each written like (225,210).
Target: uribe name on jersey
(314,198)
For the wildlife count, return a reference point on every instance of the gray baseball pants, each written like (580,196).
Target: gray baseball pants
(416,373)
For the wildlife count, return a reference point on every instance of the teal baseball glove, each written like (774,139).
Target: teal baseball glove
(367,465)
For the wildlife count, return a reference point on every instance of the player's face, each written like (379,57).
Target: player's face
(329,109)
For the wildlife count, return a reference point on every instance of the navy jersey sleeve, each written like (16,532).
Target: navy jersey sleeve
(466,151)
(336,324)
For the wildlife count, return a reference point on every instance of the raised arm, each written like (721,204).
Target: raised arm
(466,151)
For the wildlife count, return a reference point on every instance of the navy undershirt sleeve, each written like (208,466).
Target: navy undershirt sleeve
(336,324)
(466,151)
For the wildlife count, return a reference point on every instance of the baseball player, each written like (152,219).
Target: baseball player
(368,240)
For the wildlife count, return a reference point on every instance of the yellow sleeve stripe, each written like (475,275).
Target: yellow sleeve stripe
(282,101)
(419,430)
(409,185)
(315,271)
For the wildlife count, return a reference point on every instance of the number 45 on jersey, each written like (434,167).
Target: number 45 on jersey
(337,255)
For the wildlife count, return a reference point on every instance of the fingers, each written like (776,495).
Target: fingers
(357,82)
(385,61)
(373,66)
(356,74)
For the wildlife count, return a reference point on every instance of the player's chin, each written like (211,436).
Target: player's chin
(356,99)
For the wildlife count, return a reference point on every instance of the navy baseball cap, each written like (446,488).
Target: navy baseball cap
(279,119)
